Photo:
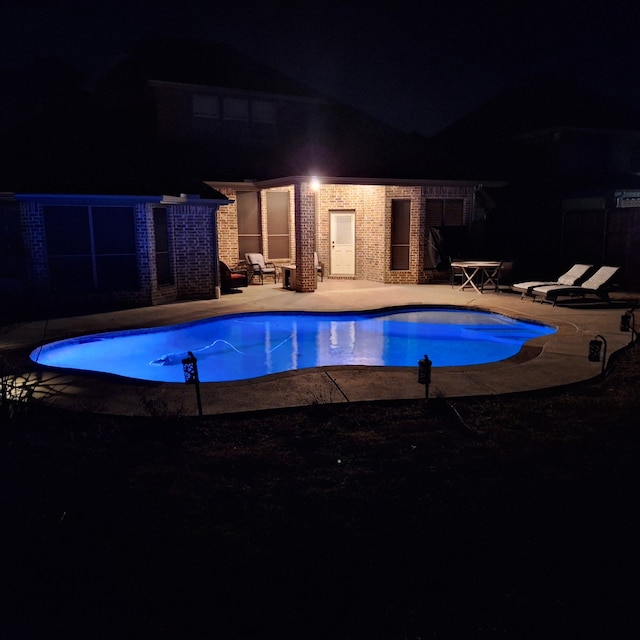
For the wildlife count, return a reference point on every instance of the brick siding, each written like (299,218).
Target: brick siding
(371,205)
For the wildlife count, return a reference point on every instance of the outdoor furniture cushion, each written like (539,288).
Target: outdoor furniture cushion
(570,278)
(597,284)
(259,266)
(230,279)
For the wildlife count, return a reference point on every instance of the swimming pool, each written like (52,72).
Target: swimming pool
(251,345)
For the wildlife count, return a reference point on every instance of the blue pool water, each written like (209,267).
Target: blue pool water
(251,345)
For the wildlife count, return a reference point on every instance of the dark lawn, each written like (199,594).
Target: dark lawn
(502,517)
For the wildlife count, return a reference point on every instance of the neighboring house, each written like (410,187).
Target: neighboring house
(603,227)
(369,229)
(572,162)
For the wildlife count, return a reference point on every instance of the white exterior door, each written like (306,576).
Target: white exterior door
(343,245)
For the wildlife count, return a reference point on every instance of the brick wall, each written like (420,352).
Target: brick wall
(35,243)
(305,237)
(372,207)
(228,229)
(194,251)
(413,274)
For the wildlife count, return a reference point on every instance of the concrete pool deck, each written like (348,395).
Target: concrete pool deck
(548,361)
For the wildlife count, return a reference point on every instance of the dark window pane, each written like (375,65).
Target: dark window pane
(400,233)
(117,273)
(277,212)
(278,224)
(444,212)
(248,244)
(278,247)
(71,274)
(453,213)
(249,228)
(114,230)
(67,230)
(160,229)
(399,257)
(433,212)
(400,221)
(163,256)
(163,269)
(248,212)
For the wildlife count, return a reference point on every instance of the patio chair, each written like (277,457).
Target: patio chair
(231,279)
(505,273)
(597,284)
(456,274)
(570,278)
(260,267)
(319,266)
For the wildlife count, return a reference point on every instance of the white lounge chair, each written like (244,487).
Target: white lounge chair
(570,278)
(597,284)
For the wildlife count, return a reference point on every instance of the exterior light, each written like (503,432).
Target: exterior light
(315,184)
(625,321)
(595,349)
(190,369)
(424,374)
(628,323)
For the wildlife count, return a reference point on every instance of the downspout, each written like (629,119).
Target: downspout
(217,291)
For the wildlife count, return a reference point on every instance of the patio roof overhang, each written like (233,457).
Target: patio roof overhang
(252,184)
(117,200)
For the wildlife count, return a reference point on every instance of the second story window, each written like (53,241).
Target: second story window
(206,113)
(263,119)
(236,117)
(206,107)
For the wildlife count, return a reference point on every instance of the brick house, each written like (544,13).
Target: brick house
(167,117)
(90,252)
(369,229)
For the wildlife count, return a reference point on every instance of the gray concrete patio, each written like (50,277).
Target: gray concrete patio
(549,361)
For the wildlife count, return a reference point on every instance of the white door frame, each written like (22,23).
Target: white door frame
(342,237)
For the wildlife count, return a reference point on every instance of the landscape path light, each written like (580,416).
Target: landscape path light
(595,348)
(628,323)
(424,374)
(190,368)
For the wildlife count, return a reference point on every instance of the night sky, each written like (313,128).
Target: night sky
(418,69)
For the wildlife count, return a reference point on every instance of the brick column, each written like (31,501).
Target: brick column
(305,221)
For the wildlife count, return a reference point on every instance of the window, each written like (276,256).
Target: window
(278,224)
(249,232)
(236,109)
(206,106)
(263,117)
(91,248)
(163,255)
(447,216)
(263,111)
(236,117)
(400,233)
(206,114)
(444,212)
